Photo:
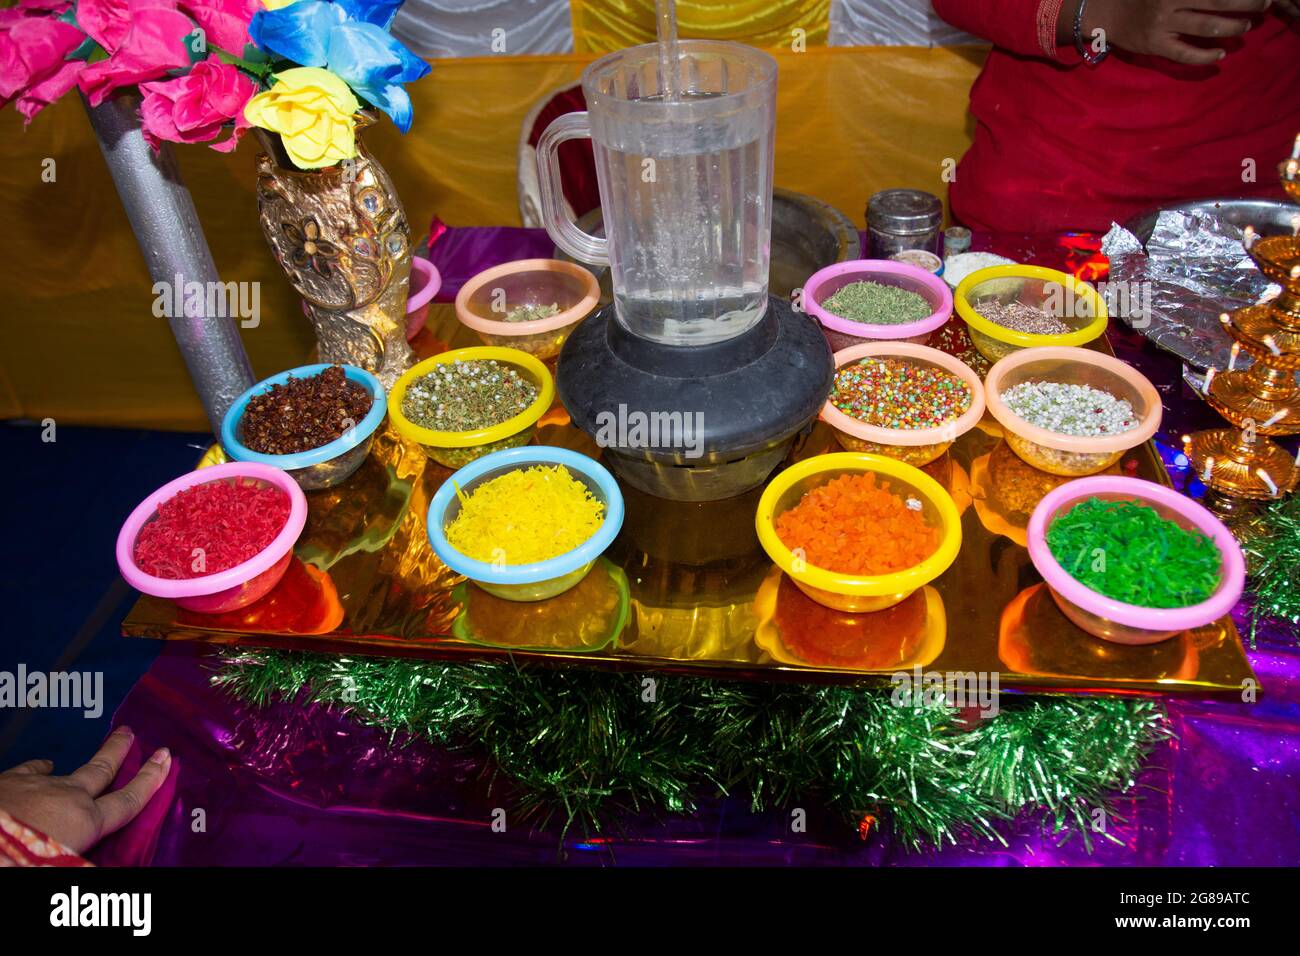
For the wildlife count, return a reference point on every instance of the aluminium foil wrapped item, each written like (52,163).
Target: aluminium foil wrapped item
(1192,269)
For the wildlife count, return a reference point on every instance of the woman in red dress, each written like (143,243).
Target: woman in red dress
(1087,116)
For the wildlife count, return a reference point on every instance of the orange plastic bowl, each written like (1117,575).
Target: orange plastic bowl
(1071,455)
(915,446)
(486,299)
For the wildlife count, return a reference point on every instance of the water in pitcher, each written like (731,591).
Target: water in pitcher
(688,219)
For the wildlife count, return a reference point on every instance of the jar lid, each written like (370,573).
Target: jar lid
(905,211)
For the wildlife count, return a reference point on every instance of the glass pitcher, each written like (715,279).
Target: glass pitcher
(685,188)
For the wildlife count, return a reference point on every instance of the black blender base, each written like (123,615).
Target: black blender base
(696,423)
(709,482)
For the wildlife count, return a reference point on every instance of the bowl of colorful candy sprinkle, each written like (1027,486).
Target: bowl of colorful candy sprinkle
(858,532)
(904,400)
(467,403)
(530,305)
(316,422)
(1134,562)
(1006,308)
(213,540)
(525,524)
(1070,411)
(867,300)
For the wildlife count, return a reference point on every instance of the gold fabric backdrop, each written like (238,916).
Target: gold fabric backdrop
(614,24)
(81,343)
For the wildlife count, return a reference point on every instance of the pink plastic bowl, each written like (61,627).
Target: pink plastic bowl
(425,283)
(1114,620)
(843,333)
(235,587)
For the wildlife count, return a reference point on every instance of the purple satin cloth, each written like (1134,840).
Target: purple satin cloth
(462,253)
(298,783)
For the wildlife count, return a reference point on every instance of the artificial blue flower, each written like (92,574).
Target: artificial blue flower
(378,12)
(375,65)
(350,39)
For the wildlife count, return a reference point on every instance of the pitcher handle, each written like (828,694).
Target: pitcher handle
(561,226)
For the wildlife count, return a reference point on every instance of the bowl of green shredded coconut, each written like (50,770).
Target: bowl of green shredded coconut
(870,300)
(1133,561)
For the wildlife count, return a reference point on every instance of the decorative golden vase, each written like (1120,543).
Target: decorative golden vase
(340,235)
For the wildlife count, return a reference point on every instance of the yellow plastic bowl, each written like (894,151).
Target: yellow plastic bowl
(456,449)
(847,592)
(1075,303)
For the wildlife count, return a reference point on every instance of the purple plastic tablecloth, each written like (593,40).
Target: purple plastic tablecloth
(302,784)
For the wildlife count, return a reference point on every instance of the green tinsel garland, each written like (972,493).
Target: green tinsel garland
(1272,548)
(584,744)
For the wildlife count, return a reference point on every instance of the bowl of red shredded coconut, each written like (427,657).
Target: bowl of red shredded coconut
(215,539)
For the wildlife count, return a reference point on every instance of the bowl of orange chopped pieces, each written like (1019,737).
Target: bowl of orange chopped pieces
(858,532)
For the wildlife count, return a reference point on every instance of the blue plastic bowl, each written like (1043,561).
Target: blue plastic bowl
(541,579)
(316,468)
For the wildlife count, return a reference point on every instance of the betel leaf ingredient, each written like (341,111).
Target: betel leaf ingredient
(1127,551)
(526,515)
(304,413)
(464,396)
(1022,317)
(852,525)
(873,303)
(531,313)
(893,393)
(1069,409)
(210,528)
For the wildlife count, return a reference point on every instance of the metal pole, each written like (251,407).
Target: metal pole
(166,225)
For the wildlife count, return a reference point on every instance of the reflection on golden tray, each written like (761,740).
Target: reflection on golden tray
(372,585)
(795,629)
(587,617)
(1073,652)
(1006,490)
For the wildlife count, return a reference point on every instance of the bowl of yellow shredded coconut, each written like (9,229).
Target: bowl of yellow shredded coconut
(525,524)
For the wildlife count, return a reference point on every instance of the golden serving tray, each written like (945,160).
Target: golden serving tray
(686,589)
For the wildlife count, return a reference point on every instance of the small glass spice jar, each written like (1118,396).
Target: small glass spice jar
(899,219)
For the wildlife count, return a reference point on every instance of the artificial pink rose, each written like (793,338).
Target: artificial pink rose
(224,22)
(153,44)
(105,21)
(196,107)
(32,50)
(34,99)
(29,8)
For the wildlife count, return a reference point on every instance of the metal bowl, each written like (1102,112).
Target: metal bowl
(807,235)
(1270,217)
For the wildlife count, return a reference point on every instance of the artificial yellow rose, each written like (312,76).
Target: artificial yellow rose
(312,110)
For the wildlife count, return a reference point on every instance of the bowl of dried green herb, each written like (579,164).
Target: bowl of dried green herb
(869,300)
(1132,561)
(530,304)
(467,403)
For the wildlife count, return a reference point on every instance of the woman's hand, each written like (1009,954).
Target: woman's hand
(1158,27)
(75,810)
